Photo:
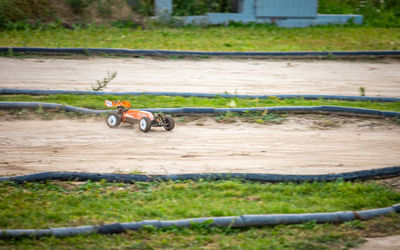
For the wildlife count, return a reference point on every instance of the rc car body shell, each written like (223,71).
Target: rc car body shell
(129,114)
(136,114)
(146,119)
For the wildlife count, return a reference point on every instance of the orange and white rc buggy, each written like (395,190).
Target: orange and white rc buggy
(146,119)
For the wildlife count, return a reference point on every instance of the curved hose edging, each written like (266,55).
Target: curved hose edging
(43,105)
(201,110)
(163,53)
(271,178)
(7,91)
(225,221)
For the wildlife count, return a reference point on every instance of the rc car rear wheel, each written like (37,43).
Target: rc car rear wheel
(113,120)
(145,124)
(169,123)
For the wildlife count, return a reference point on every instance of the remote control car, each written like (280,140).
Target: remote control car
(146,119)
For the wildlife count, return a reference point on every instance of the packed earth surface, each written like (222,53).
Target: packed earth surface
(310,144)
(300,144)
(244,76)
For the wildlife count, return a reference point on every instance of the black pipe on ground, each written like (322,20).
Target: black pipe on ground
(180,53)
(7,91)
(77,176)
(289,110)
(226,221)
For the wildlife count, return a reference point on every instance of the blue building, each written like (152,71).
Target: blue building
(284,13)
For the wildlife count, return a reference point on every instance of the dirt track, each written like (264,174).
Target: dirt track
(314,145)
(213,75)
(299,146)
(384,243)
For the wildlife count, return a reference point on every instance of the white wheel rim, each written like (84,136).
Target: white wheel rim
(143,124)
(112,120)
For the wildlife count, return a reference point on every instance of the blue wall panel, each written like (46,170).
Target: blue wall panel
(286,8)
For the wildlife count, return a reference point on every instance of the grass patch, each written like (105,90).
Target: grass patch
(52,204)
(146,101)
(230,38)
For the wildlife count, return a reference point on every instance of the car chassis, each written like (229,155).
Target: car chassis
(146,119)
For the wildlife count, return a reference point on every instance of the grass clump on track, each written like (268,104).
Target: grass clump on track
(147,101)
(55,204)
(221,38)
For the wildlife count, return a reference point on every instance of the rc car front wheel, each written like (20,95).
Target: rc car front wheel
(169,123)
(113,120)
(145,124)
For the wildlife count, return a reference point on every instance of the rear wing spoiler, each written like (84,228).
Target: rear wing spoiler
(111,104)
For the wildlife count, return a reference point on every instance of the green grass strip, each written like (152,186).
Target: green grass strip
(147,101)
(66,204)
(253,38)
(52,204)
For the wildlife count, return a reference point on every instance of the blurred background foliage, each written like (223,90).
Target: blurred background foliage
(377,13)
(16,14)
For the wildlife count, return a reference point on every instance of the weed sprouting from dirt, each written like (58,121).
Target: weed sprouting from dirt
(39,110)
(362,91)
(327,123)
(102,84)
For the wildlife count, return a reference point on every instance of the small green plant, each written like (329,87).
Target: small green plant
(259,120)
(272,118)
(10,53)
(308,225)
(102,84)
(232,104)
(39,110)
(357,224)
(136,172)
(362,91)
(228,117)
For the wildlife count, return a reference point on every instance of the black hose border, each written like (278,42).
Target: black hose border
(226,221)
(229,221)
(362,175)
(9,91)
(167,53)
(201,110)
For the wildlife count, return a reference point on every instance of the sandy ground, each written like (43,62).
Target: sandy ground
(310,145)
(207,76)
(383,243)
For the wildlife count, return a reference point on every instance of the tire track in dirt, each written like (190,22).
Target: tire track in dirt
(206,76)
(311,145)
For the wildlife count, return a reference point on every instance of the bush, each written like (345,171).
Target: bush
(142,7)
(20,14)
(104,8)
(78,6)
(24,11)
(377,13)
(188,7)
